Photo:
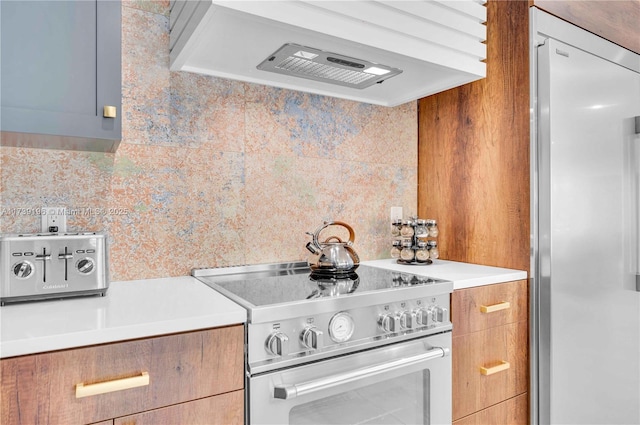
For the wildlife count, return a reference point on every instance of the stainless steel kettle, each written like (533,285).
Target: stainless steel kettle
(333,256)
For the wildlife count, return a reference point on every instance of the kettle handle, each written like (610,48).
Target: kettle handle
(352,235)
(333,237)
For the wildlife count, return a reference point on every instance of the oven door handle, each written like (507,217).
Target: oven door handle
(289,391)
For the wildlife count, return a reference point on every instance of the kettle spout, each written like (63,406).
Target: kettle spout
(312,248)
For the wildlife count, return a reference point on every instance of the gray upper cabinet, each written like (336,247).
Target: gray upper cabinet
(61,74)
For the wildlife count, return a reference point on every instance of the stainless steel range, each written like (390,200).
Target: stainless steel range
(371,346)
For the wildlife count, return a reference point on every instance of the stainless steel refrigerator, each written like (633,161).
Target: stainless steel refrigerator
(585,329)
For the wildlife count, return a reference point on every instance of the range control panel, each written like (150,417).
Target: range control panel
(52,265)
(340,331)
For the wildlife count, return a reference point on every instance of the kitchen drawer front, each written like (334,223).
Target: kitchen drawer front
(43,388)
(484,307)
(514,411)
(224,409)
(489,367)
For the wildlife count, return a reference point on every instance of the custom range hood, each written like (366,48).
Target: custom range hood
(380,52)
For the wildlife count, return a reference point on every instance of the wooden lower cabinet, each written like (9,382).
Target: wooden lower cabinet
(224,409)
(512,411)
(490,347)
(99,383)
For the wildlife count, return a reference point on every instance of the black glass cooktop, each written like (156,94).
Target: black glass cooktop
(262,288)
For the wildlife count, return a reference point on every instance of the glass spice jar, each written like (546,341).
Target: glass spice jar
(396,248)
(422,253)
(421,228)
(396,225)
(407,229)
(407,253)
(433,250)
(432,226)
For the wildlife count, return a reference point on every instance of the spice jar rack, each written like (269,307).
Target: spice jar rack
(414,241)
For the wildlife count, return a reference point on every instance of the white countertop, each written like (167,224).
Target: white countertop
(144,308)
(133,309)
(463,275)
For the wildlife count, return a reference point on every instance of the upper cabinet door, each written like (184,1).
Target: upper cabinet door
(61,74)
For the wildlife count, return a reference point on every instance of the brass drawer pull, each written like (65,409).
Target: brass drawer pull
(495,307)
(109,112)
(495,369)
(83,390)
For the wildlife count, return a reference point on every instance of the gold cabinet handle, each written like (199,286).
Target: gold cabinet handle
(83,390)
(495,307)
(495,369)
(109,112)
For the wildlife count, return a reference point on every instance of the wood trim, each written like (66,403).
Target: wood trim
(615,20)
(473,152)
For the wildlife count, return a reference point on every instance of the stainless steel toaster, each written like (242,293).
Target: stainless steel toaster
(52,265)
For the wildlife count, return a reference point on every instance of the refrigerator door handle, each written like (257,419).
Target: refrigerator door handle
(637,206)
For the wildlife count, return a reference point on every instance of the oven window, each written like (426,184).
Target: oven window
(402,400)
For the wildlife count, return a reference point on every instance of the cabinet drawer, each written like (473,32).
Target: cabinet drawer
(161,371)
(513,412)
(225,409)
(489,367)
(484,307)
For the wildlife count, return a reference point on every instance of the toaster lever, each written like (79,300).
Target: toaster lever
(44,257)
(66,256)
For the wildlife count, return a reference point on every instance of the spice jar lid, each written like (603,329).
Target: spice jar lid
(431,222)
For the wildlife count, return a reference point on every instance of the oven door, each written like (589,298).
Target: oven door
(402,383)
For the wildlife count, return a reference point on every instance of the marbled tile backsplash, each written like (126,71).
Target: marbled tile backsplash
(214,172)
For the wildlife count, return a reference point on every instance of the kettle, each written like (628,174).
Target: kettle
(333,256)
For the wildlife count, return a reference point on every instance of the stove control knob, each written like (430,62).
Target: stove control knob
(389,322)
(423,317)
(278,344)
(439,314)
(23,269)
(406,320)
(311,338)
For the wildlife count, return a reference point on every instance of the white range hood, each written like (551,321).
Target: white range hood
(380,52)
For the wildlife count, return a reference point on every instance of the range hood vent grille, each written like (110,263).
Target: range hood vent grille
(314,64)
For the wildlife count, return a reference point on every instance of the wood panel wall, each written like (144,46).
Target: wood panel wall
(615,20)
(473,152)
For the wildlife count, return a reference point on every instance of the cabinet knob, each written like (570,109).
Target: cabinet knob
(109,112)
